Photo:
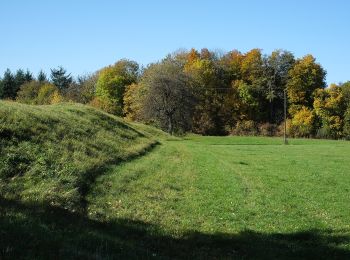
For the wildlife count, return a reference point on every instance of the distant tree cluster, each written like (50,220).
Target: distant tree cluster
(204,92)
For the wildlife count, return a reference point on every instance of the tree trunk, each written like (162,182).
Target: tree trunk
(170,125)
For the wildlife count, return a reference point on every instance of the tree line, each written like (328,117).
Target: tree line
(203,92)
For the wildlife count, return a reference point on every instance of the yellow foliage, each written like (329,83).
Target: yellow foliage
(303,117)
(251,66)
(192,56)
(56,98)
(103,104)
(303,123)
(330,106)
(132,102)
(45,94)
(305,77)
(336,123)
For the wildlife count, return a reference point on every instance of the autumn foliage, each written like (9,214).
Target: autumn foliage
(204,92)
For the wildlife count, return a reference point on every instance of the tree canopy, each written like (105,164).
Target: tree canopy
(204,92)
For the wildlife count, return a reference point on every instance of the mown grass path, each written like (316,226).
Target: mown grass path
(253,194)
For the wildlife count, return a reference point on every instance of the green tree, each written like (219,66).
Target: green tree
(83,90)
(28,76)
(168,100)
(209,85)
(20,78)
(249,107)
(346,92)
(46,94)
(38,93)
(346,129)
(111,84)
(61,79)
(28,92)
(42,76)
(251,86)
(8,85)
(232,63)
(276,69)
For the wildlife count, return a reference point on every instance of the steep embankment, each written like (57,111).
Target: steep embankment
(51,154)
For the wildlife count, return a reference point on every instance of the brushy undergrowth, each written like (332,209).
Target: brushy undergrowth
(50,154)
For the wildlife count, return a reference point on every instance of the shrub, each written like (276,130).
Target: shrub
(280,128)
(324,132)
(28,92)
(302,124)
(103,104)
(56,98)
(37,93)
(346,128)
(46,94)
(246,127)
(267,129)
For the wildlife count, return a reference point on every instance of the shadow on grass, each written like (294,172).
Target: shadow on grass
(45,232)
(245,144)
(87,179)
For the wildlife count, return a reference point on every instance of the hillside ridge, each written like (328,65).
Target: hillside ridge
(52,154)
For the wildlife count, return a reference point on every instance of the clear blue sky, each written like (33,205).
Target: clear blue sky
(84,36)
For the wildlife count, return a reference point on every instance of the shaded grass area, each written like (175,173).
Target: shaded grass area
(53,153)
(50,232)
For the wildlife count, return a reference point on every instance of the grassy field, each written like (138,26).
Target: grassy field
(192,197)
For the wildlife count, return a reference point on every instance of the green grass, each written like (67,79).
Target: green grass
(195,197)
(259,198)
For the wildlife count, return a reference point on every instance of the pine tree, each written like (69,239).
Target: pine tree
(1,88)
(20,78)
(28,76)
(60,78)
(8,85)
(42,76)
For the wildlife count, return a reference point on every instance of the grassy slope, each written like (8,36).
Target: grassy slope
(50,154)
(199,197)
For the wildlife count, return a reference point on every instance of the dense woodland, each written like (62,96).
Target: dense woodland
(203,92)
